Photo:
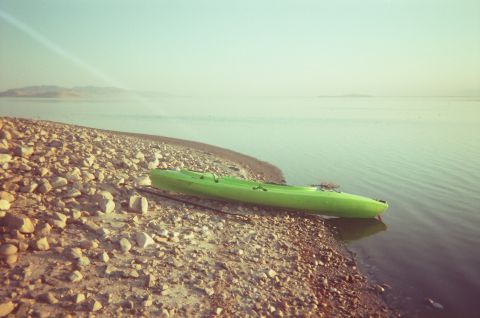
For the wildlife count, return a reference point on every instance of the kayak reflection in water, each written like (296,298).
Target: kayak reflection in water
(348,230)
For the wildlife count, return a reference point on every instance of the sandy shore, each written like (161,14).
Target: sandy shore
(78,239)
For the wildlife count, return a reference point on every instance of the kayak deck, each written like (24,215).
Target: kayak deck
(228,188)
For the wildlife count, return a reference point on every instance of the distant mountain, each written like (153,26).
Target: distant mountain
(347,95)
(51,91)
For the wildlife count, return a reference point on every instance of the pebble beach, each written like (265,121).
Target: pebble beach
(79,237)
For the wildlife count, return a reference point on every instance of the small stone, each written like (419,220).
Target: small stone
(8,249)
(380,289)
(4,195)
(23,246)
(138,204)
(88,162)
(19,222)
(89,245)
(11,259)
(104,232)
(60,217)
(144,240)
(56,144)
(153,164)
(43,171)
(104,257)
(104,195)
(125,245)
(131,273)
(42,244)
(4,205)
(74,252)
(43,229)
(73,193)
(45,187)
(100,176)
(96,306)
(163,233)
(151,281)
(209,291)
(48,298)
(76,214)
(6,308)
(79,298)
(218,311)
(271,273)
(76,276)
(30,188)
(434,304)
(107,206)
(271,309)
(143,181)
(59,224)
(148,301)
(83,261)
(59,182)
(140,155)
(5,134)
(23,151)
(164,287)
(5,158)
(128,304)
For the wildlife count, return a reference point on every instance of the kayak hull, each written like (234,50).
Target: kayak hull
(309,199)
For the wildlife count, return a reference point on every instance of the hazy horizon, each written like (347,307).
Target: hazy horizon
(253,48)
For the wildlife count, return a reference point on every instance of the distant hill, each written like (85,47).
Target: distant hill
(347,95)
(51,91)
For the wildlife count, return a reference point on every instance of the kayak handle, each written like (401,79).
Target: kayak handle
(215,177)
(259,187)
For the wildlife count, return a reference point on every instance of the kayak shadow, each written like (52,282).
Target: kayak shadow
(349,230)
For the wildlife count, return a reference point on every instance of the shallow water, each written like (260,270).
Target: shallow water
(422,155)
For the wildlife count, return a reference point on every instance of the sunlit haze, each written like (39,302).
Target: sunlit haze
(253,48)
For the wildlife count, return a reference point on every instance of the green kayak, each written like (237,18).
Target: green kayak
(226,188)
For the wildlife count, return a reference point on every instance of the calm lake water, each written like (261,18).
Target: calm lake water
(422,155)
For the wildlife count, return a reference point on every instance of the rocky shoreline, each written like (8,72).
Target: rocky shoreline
(77,237)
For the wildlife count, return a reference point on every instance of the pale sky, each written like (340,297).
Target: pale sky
(295,48)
